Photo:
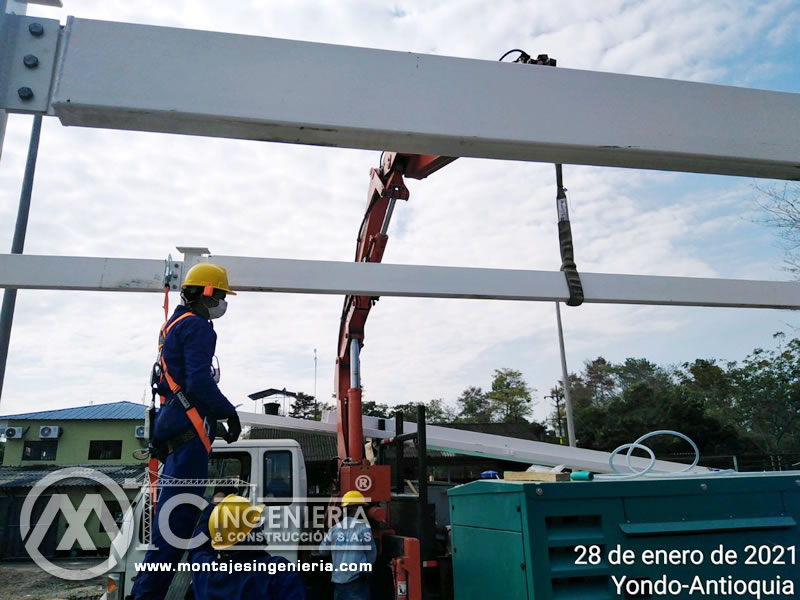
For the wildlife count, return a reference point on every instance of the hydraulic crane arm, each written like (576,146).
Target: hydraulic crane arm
(386,187)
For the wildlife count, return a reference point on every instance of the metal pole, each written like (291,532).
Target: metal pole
(565,375)
(17,245)
(355,367)
(399,484)
(316,402)
(3,120)
(388,216)
(422,465)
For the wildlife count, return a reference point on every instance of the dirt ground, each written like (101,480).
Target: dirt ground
(25,580)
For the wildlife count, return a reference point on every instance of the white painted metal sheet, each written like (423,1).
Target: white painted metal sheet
(17,43)
(27,271)
(473,443)
(124,76)
(382,279)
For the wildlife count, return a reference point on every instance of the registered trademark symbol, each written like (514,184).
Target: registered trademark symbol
(363,483)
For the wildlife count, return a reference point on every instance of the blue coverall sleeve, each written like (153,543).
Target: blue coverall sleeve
(199,345)
(327,542)
(372,553)
(287,586)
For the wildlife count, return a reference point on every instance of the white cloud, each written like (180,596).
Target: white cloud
(128,194)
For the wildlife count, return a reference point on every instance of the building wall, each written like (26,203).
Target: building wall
(100,538)
(73,445)
(12,545)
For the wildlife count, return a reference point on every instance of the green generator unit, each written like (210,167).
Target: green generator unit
(726,536)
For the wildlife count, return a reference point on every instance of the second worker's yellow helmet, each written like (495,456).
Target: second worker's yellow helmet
(232,520)
(210,277)
(353,497)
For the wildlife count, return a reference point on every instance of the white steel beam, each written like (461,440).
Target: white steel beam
(123,76)
(472,443)
(381,279)
(28,271)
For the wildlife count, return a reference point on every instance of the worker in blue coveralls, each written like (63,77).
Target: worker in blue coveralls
(352,549)
(232,563)
(186,423)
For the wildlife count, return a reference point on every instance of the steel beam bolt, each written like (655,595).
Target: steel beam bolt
(36,29)
(31,61)
(25,93)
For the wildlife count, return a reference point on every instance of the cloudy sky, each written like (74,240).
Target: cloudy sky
(128,194)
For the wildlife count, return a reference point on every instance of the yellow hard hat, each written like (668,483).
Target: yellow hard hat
(231,520)
(353,497)
(209,276)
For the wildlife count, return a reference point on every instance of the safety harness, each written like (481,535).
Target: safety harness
(161,374)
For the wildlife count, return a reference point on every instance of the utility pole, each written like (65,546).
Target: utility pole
(557,397)
(565,375)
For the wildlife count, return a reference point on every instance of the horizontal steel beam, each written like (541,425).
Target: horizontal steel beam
(124,76)
(28,271)
(381,279)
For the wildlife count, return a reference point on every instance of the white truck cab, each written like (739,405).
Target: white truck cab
(274,469)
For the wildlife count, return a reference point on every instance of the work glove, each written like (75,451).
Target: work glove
(234,429)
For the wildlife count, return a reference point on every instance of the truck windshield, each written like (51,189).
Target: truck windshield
(231,466)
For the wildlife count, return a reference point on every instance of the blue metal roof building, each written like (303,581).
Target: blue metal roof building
(127,411)
(101,434)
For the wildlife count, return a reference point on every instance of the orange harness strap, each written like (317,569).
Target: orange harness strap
(191,411)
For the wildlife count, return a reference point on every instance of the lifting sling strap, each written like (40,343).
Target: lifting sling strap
(191,412)
(574,284)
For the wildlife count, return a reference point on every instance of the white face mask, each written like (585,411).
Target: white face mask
(215,312)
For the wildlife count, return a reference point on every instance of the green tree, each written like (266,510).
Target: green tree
(510,396)
(598,378)
(408,410)
(707,380)
(439,412)
(474,406)
(640,371)
(370,408)
(647,397)
(766,397)
(323,407)
(304,407)
(782,205)
(558,417)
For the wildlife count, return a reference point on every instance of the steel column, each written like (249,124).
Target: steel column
(422,468)
(399,483)
(18,244)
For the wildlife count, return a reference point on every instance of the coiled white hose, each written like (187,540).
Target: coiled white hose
(617,475)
